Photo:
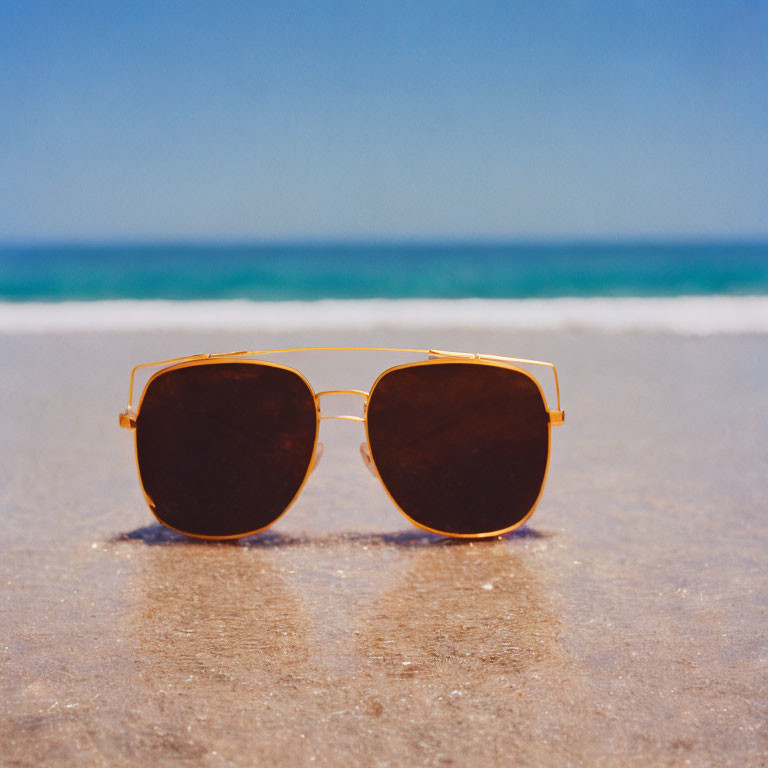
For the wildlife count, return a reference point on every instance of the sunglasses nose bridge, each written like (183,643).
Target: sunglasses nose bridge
(358,392)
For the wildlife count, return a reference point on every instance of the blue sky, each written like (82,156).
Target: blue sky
(184,120)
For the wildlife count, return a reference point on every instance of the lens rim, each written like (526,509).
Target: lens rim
(217,361)
(493,364)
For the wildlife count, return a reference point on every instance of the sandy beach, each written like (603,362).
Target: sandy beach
(624,625)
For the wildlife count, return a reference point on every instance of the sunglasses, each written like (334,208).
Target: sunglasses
(460,442)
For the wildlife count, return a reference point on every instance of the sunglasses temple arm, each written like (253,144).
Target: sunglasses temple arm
(128,416)
(557,417)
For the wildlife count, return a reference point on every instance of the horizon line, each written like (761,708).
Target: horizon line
(385,242)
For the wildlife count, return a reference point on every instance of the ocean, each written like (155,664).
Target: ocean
(681,287)
(307,272)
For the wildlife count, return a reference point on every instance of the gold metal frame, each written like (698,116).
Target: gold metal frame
(435,357)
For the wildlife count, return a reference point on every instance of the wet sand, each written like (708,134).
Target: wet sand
(626,624)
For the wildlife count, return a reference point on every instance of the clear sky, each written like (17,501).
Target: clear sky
(223,119)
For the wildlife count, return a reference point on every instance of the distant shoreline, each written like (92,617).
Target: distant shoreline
(686,315)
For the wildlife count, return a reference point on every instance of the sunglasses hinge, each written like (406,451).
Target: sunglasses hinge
(128,419)
(556,418)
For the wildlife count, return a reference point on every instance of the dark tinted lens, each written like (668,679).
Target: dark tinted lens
(461,447)
(224,448)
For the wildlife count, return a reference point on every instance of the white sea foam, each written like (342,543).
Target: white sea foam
(691,315)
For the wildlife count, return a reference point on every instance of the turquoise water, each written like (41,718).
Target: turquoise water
(300,271)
